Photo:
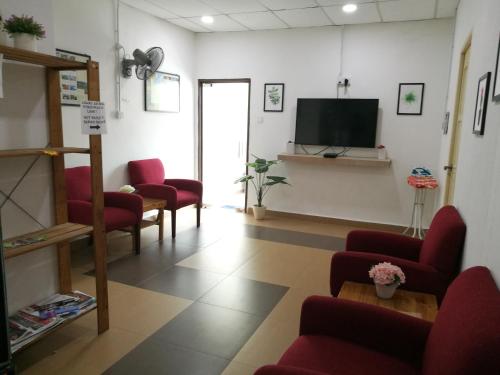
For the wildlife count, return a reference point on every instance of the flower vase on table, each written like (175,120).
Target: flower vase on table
(387,277)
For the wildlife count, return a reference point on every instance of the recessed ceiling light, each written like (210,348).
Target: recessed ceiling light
(207,19)
(349,8)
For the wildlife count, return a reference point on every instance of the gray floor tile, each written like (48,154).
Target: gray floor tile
(154,357)
(210,329)
(253,297)
(182,282)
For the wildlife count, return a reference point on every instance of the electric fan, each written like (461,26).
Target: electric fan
(146,63)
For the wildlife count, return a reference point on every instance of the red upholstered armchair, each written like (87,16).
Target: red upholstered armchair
(148,177)
(121,210)
(429,265)
(351,338)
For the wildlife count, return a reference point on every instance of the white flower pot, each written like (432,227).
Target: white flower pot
(259,212)
(3,38)
(382,153)
(25,41)
(386,291)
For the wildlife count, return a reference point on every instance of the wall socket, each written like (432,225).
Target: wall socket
(344,80)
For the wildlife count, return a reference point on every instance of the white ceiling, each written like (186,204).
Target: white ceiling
(240,15)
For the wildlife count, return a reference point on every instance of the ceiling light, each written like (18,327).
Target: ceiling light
(207,19)
(349,8)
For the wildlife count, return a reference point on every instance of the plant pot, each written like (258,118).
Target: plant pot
(386,291)
(25,41)
(3,38)
(259,212)
(382,153)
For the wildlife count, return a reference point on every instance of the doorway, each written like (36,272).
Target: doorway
(451,167)
(223,131)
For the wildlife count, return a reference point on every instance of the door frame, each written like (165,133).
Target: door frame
(454,142)
(201,82)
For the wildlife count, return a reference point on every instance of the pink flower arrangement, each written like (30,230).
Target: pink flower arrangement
(386,274)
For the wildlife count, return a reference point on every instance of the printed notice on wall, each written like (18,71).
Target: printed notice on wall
(93,118)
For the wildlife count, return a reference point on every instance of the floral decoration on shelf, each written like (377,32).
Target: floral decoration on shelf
(24,25)
(387,277)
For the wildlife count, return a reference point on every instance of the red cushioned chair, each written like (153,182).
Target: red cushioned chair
(121,210)
(351,338)
(148,177)
(429,265)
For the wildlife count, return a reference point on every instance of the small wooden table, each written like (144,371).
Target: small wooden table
(150,204)
(419,305)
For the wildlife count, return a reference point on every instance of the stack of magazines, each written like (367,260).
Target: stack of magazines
(28,323)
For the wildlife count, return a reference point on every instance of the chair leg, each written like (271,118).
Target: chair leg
(137,238)
(173,215)
(198,214)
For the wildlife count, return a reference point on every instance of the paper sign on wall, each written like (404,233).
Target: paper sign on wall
(93,116)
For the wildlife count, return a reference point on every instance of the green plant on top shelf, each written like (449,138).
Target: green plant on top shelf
(24,25)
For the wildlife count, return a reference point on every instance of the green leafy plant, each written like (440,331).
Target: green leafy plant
(24,24)
(261,181)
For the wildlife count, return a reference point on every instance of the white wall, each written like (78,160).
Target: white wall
(379,57)
(23,124)
(478,172)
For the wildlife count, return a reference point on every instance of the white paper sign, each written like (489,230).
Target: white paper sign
(93,118)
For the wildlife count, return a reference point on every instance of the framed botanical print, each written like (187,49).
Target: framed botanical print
(162,92)
(411,98)
(481,104)
(273,97)
(73,82)
(496,82)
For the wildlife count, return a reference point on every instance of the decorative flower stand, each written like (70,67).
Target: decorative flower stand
(421,185)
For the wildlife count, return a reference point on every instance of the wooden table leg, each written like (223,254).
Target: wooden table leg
(161,213)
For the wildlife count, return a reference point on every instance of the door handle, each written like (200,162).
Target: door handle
(448,168)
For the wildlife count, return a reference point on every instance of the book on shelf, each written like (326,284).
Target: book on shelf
(29,322)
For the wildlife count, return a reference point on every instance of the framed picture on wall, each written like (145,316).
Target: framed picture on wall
(162,92)
(481,104)
(496,82)
(411,98)
(73,82)
(273,97)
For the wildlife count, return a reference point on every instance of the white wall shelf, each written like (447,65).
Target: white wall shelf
(342,160)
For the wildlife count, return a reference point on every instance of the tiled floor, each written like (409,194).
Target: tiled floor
(224,298)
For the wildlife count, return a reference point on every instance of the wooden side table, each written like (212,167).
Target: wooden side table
(419,305)
(150,204)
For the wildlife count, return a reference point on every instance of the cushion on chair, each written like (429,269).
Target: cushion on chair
(185,198)
(334,356)
(78,186)
(147,171)
(465,338)
(118,218)
(443,242)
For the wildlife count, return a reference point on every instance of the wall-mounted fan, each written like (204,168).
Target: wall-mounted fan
(146,63)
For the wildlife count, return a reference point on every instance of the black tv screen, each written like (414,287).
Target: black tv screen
(336,122)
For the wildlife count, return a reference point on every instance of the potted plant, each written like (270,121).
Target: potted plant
(25,31)
(262,183)
(387,277)
(3,34)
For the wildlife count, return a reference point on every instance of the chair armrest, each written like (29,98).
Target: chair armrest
(194,186)
(392,244)
(371,326)
(354,266)
(80,212)
(285,370)
(127,201)
(158,191)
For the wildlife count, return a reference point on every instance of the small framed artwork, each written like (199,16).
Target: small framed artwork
(73,82)
(273,97)
(481,104)
(496,82)
(411,98)
(162,92)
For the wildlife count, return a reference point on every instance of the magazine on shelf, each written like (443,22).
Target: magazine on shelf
(28,323)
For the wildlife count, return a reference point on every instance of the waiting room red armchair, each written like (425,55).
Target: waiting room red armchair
(429,265)
(148,177)
(352,338)
(121,210)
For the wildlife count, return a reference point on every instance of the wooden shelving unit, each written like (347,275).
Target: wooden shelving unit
(63,231)
(342,160)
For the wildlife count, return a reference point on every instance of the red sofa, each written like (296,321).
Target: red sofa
(121,210)
(351,338)
(429,265)
(148,177)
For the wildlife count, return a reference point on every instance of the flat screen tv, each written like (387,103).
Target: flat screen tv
(336,122)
